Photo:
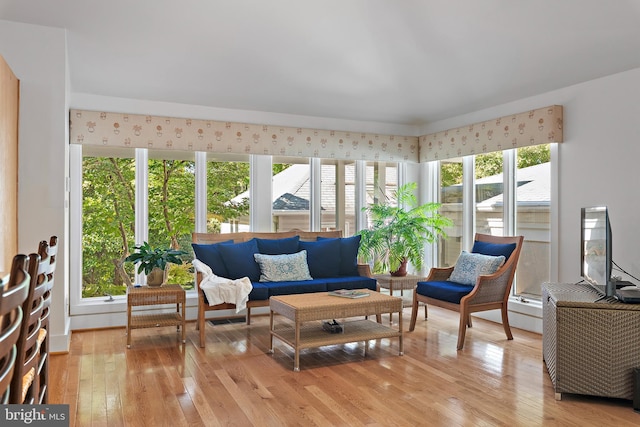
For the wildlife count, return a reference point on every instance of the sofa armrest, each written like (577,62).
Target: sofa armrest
(364,270)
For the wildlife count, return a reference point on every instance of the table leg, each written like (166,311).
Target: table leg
(400,332)
(391,293)
(128,325)
(296,359)
(271,331)
(184,322)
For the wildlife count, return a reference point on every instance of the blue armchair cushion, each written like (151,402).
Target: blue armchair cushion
(470,265)
(444,291)
(210,255)
(323,257)
(494,249)
(285,267)
(239,260)
(288,245)
(348,254)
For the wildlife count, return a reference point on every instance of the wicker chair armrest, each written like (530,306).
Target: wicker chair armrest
(492,287)
(439,274)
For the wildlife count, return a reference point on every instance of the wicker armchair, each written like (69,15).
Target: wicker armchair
(490,291)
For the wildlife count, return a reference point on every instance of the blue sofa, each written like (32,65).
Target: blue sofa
(331,264)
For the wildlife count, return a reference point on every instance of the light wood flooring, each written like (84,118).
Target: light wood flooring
(235,382)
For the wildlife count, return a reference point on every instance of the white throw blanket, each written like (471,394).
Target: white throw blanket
(219,289)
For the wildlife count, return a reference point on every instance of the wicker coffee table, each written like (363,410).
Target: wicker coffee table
(305,311)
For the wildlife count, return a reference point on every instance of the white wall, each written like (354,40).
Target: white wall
(37,56)
(599,162)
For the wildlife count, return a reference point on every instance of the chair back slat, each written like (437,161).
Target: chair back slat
(12,296)
(24,386)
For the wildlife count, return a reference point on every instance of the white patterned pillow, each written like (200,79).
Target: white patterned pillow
(283,268)
(471,265)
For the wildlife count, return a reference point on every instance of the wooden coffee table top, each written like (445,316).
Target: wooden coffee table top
(321,305)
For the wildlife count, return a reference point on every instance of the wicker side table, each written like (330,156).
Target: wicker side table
(145,295)
(402,283)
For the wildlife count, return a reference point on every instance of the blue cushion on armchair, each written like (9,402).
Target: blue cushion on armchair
(323,257)
(494,249)
(444,291)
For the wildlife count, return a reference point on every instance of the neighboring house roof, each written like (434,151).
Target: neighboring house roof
(292,188)
(534,187)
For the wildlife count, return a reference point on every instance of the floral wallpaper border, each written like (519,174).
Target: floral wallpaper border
(169,133)
(540,126)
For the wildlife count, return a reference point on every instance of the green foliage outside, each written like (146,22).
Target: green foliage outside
(108,215)
(491,164)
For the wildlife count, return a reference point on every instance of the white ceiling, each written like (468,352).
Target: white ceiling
(407,62)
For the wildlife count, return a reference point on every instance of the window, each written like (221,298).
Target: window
(338,201)
(530,209)
(291,194)
(451,197)
(108,206)
(170,206)
(227,193)
(533,213)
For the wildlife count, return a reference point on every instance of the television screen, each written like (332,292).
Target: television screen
(595,249)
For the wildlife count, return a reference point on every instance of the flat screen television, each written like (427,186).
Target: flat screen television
(595,250)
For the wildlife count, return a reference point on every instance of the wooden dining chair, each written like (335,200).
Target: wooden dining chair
(12,295)
(48,253)
(24,384)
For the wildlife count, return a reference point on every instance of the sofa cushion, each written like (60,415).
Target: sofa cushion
(295,287)
(350,282)
(285,267)
(239,260)
(323,257)
(210,255)
(470,265)
(259,292)
(493,249)
(287,245)
(444,291)
(348,254)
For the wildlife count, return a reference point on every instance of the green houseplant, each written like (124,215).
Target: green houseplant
(154,261)
(398,233)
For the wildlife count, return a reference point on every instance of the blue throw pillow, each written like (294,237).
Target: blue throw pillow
(469,266)
(239,260)
(493,249)
(210,255)
(283,268)
(348,254)
(287,245)
(323,257)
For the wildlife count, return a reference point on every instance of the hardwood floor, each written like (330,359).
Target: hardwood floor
(234,381)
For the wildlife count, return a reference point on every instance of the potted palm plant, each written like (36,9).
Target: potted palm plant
(399,232)
(154,261)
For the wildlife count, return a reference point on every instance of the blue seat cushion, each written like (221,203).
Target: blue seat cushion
(259,292)
(350,282)
(494,249)
(323,257)
(288,245)
(348,254)
(239,260)
(210,255)
(295,287)
(444,291)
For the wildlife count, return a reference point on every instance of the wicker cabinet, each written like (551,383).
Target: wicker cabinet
(589,347)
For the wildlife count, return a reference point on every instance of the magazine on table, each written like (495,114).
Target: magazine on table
(348,293)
